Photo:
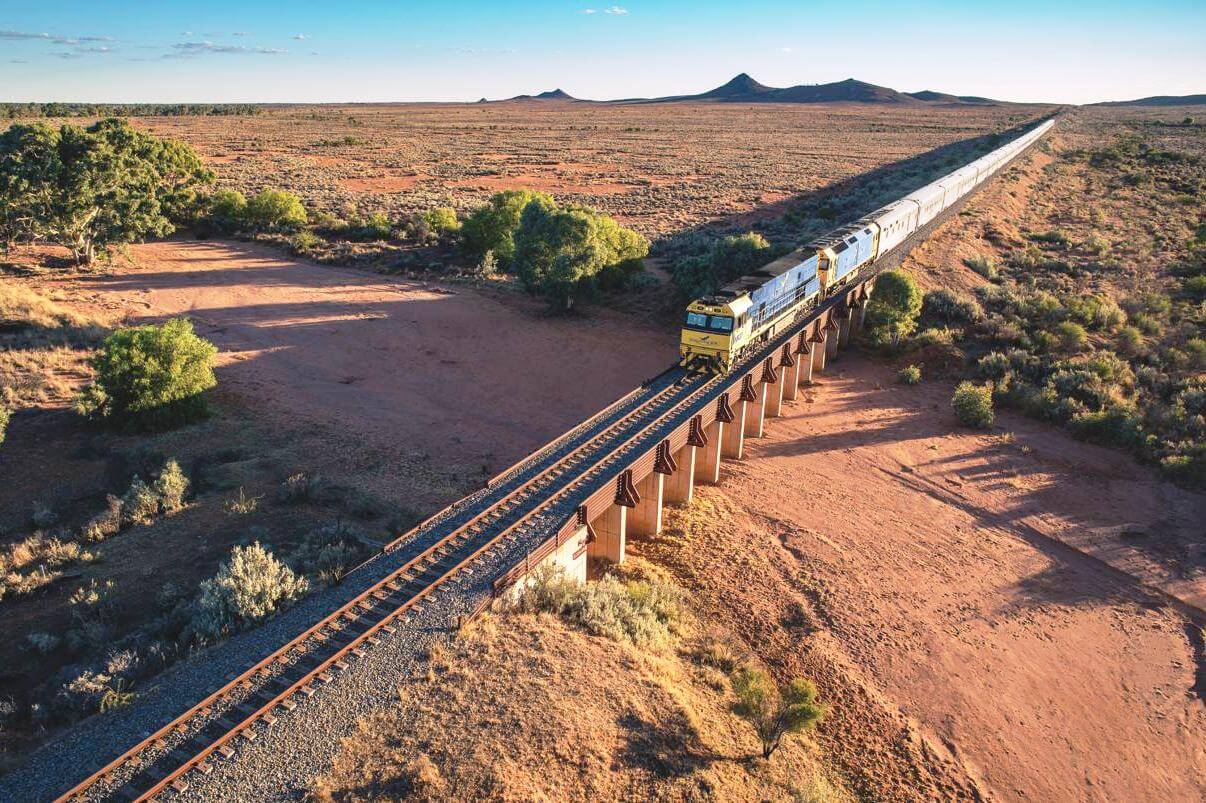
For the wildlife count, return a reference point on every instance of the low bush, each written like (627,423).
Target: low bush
(304,243)
(639,612)
(228,210)
(4,419)
(984,266)
(942,307)
(327,553)
(150,376)
(973,404)
(1071,336)
(251,586)
(300,488)
(894,307)
(275,210)
(909,375)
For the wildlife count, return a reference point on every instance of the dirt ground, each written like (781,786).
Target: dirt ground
(658,168)
(448,373)
(1014,615)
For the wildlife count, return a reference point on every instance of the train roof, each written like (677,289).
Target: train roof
(752,281)
(836,239)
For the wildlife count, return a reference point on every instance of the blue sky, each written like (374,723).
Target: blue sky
(219,50)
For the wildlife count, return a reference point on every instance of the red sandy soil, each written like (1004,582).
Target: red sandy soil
(1006,615)
(444,371)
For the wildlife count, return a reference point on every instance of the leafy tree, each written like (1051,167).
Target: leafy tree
(973,404)
(276,210)
(774,712)
(4,416)
(491,227)
(728,258)
(150,375)
(247,589)
(559,250)
(894,306)
(90,188)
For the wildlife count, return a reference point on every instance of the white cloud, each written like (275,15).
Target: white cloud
(199,48)
(302,36)
(240,33)
(589,11)
(785,50)
(615,10)
(45,37)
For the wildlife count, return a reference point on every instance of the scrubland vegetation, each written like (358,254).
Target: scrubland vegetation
(1097,323)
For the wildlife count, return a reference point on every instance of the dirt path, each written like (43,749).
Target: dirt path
(993,617)
(443,372)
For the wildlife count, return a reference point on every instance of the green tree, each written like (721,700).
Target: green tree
(491,227)
(442,221)
(558,251)
(90,188)
(276,210)
(775,712)
(894,306)
(150,375)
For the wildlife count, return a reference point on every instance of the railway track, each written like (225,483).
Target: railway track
(521,500)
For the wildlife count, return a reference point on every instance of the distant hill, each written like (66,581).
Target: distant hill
(930,96)
(1158,100)
(744,89)
(555,94)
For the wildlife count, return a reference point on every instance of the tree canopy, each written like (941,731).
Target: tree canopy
(91,188)
(894,306)
(491,227)
(560,250)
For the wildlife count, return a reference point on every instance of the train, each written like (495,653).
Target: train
(720,328)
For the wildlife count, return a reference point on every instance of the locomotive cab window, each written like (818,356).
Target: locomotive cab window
(697,320)
(722,323)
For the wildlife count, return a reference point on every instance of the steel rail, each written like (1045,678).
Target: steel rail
(499,506)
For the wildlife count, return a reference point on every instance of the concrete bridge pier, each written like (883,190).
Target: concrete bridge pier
(680,485)
(844,319)
(734,429)
(818,350)
(754,395)
(646,517)
(707,464)
(611,526)
(805,360)
(790,368)
(831,340)
(772,381)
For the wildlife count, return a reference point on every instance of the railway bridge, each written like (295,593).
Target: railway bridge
(211,729)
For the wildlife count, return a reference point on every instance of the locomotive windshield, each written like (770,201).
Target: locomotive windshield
(722,323)
(696,320)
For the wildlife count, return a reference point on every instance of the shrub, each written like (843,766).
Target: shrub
(993,366)
(304,242)
(4,418)
(909,375)
(1195,288)
(170,487)
(276,210)
(105,523)
(1097,312)
(491,227)
(728,258)
(247,589)
(639,612)
(894,306)
(43,643)
(973,404)
(442,221)
(1130,341)
(242,505)
(1097,245)
(328,552)
(140,504)
(775,712)
(1054,237)
(150,376)
(944,307)
(301,487)
(1071,336)
(228,210)
(984,266)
